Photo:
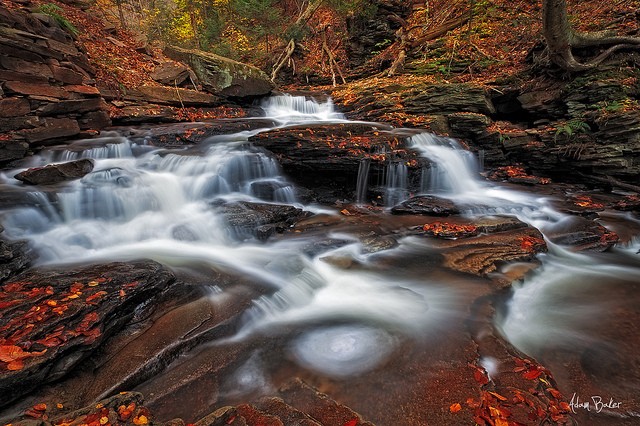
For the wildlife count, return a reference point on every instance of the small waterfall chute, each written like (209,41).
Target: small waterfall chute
(288,109)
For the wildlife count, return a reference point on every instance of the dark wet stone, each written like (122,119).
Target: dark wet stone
(426,205)
(55,173)
(585,235)
(260,220)
(14,258)
(60,316)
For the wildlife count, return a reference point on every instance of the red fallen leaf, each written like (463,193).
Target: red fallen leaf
(91,299)
(10,303)
(454,408)
(555,393)
(532,374)
(32,413)
(40,407)
(88,321)
(480,377)
(76,287)
(124,413)
(91,335)
(352,422)
(565,406)
(15,286)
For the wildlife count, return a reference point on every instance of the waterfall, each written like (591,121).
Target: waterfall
(453,170)
(362,185)
(288,109)
(396,188)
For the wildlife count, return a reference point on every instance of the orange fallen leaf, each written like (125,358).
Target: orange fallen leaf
(140,420)
(497,395)
(40,407)
(454,408)
(15,365)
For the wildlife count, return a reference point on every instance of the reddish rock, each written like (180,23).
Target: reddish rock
(26,67)
(83,90)
(14,107)
(53,128)
(73,106)
(94,120)
(171,73)
(55,173)
(39,89)
(17,123)
(66,75)
(6,75)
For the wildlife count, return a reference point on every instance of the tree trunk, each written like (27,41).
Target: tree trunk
(561,39)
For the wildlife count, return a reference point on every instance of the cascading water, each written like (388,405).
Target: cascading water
(397,183)
(288,109)
(342,313)
(362,184)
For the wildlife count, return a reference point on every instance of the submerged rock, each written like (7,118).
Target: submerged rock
(55,173)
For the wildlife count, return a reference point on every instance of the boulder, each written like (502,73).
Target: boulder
(171,73)
(223,76)
(55,173)
(53,128)
(260,220)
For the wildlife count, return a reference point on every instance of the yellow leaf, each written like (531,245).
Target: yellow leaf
(140,420)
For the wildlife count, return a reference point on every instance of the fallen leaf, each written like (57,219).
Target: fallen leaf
(532,374)
(352,422)
(40,407)
(497,395)
(454,408)
(15,365)
(140,420)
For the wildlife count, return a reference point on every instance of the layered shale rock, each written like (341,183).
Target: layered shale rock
(47,91)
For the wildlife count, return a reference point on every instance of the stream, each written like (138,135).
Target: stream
(386,330)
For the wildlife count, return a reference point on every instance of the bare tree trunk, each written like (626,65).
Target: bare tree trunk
(561,39)
(285,58)
(123,23)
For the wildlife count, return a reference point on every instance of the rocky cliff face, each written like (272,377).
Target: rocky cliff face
(47,91)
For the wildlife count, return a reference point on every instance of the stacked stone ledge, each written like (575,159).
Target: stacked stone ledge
(47,90)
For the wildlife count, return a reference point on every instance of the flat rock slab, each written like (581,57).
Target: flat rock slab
(55,173)
(426,205)
(51,319)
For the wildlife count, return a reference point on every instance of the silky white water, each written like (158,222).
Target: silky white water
(163,204)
